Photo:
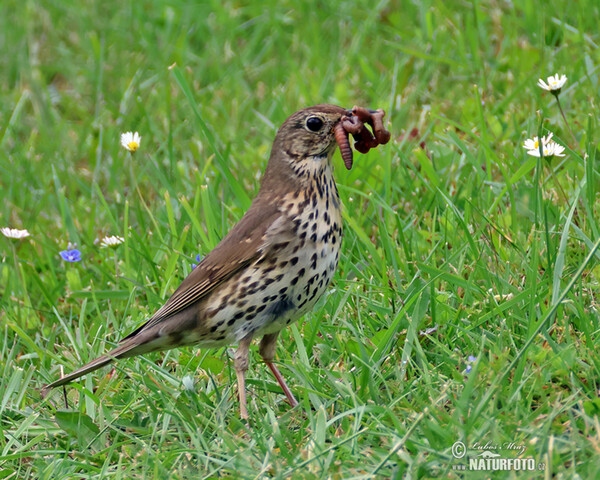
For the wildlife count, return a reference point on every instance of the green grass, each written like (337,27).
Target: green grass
(491,249)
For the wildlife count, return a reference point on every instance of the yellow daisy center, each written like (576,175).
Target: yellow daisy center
(133,146)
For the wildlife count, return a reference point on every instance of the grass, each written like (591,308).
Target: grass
(466,247)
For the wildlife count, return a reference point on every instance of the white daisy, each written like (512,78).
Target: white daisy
(131,141)
(14,233)
(534,143)
(112,241)
(554,150)
(531,143)
(550,147)
(555,83)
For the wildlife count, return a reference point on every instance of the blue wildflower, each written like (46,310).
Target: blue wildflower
(198,258)
(470,359)
(73,255)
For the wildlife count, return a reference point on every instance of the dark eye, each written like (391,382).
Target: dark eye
(314,124)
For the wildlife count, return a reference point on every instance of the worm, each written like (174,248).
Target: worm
(363,114)
(367,138)
(381,134)
(352,124)
(375,119)
(341,137)
(364,139)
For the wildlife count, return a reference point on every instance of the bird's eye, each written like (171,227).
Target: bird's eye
(314,124)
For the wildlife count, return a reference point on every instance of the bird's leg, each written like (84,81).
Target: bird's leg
(240,362)
(268,344)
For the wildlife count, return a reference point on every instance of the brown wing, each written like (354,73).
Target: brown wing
(244,244)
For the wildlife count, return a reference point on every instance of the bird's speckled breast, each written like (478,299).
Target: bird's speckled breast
(293,273)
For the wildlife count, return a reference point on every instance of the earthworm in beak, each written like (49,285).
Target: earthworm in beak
(341,137)
(354,123)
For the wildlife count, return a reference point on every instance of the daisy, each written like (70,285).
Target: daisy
(554,150)
(14,233)
(534,143)
(112,241)
(131,141)
(549,147)
(555,83)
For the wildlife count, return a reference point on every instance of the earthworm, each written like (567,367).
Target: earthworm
(354,123)
(365,141)
(363,114)
(341,137)
(375,119)
(381,134)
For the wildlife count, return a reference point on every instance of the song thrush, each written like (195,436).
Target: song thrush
(273,266)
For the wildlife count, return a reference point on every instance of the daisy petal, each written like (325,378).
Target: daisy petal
(130,141)
(14,233)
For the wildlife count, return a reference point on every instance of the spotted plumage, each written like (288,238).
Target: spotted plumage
(269,270)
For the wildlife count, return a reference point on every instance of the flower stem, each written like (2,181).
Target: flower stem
(565,119)
(18,268)
(116,265)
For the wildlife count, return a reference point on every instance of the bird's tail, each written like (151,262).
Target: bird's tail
(118,352)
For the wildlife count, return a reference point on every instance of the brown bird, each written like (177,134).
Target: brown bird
(273,266)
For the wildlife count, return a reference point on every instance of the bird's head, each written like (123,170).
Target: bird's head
(306,141)
(310,132)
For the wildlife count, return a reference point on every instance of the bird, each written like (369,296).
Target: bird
(272,266)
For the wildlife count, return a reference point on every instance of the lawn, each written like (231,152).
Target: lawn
(466,304)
